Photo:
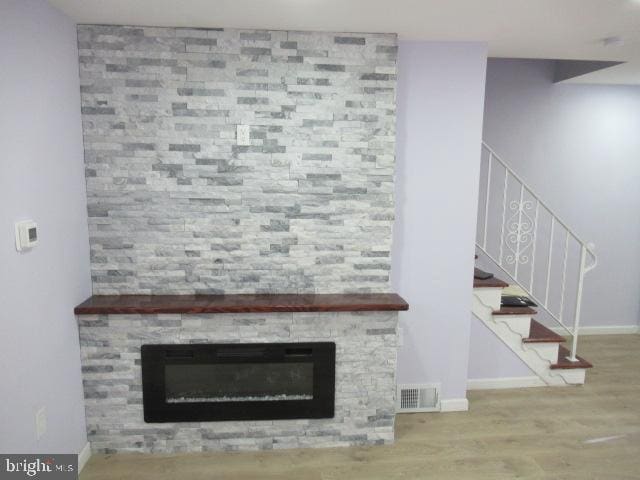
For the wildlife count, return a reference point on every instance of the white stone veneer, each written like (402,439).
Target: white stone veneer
(366,345)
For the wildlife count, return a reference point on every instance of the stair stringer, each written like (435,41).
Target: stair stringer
(537,356)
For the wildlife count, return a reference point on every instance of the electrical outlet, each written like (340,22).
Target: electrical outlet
(41,423)
(243,136)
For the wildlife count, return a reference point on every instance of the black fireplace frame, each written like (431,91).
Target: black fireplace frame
(158,410)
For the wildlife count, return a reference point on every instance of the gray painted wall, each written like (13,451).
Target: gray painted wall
(489,357)
(578,147)
(440,102)
(42,178)
(175,206)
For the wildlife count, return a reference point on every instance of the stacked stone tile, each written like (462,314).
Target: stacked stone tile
(176,206)
(366,345)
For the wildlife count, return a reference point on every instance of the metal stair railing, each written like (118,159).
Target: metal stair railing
(515,241)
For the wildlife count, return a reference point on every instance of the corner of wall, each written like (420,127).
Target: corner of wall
(441,88)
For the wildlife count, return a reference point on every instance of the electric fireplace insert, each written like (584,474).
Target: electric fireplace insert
(248,381)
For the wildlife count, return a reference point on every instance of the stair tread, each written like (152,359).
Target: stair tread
(564,352)
(515,311)
(489,283)
(538,333)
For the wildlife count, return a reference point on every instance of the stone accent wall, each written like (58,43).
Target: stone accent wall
(366,345)
(175,206)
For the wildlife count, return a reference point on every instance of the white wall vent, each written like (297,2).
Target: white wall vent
(418,398)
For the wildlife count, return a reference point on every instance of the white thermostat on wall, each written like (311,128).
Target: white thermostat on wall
(26,235)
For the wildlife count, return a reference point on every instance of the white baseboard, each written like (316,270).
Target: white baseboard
(603,330)
(504,382)
(84,456)
(454,405)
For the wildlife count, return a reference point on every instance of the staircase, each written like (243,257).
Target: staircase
(537,346)
(520,238)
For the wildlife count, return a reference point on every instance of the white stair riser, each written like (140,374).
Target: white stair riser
(491,297)
(529,356)
(512,329)
(548,351)
(574,376)
(520,324)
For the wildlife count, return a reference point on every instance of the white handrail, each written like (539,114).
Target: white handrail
(522,231)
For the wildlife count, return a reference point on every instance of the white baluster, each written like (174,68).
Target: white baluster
(564,274)
(576,320)
(504,211)
(519,230)
(533,249)
(550,256)
(486,202)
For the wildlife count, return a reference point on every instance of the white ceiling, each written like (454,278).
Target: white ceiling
(559,29)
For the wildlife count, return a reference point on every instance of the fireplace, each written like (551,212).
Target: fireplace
(250,381)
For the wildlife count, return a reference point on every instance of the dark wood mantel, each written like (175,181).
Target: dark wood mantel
(242,303)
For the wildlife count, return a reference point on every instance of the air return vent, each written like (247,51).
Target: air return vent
(418,398)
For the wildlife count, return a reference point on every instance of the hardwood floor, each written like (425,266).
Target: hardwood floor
(570,433)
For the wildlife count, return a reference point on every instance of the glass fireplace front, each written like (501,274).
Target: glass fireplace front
(208,382)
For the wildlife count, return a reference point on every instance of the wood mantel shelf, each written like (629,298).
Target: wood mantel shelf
(241,303)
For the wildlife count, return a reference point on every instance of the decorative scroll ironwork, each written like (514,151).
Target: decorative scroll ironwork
(520,232)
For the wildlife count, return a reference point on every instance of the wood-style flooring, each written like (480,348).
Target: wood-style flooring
(569,433)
